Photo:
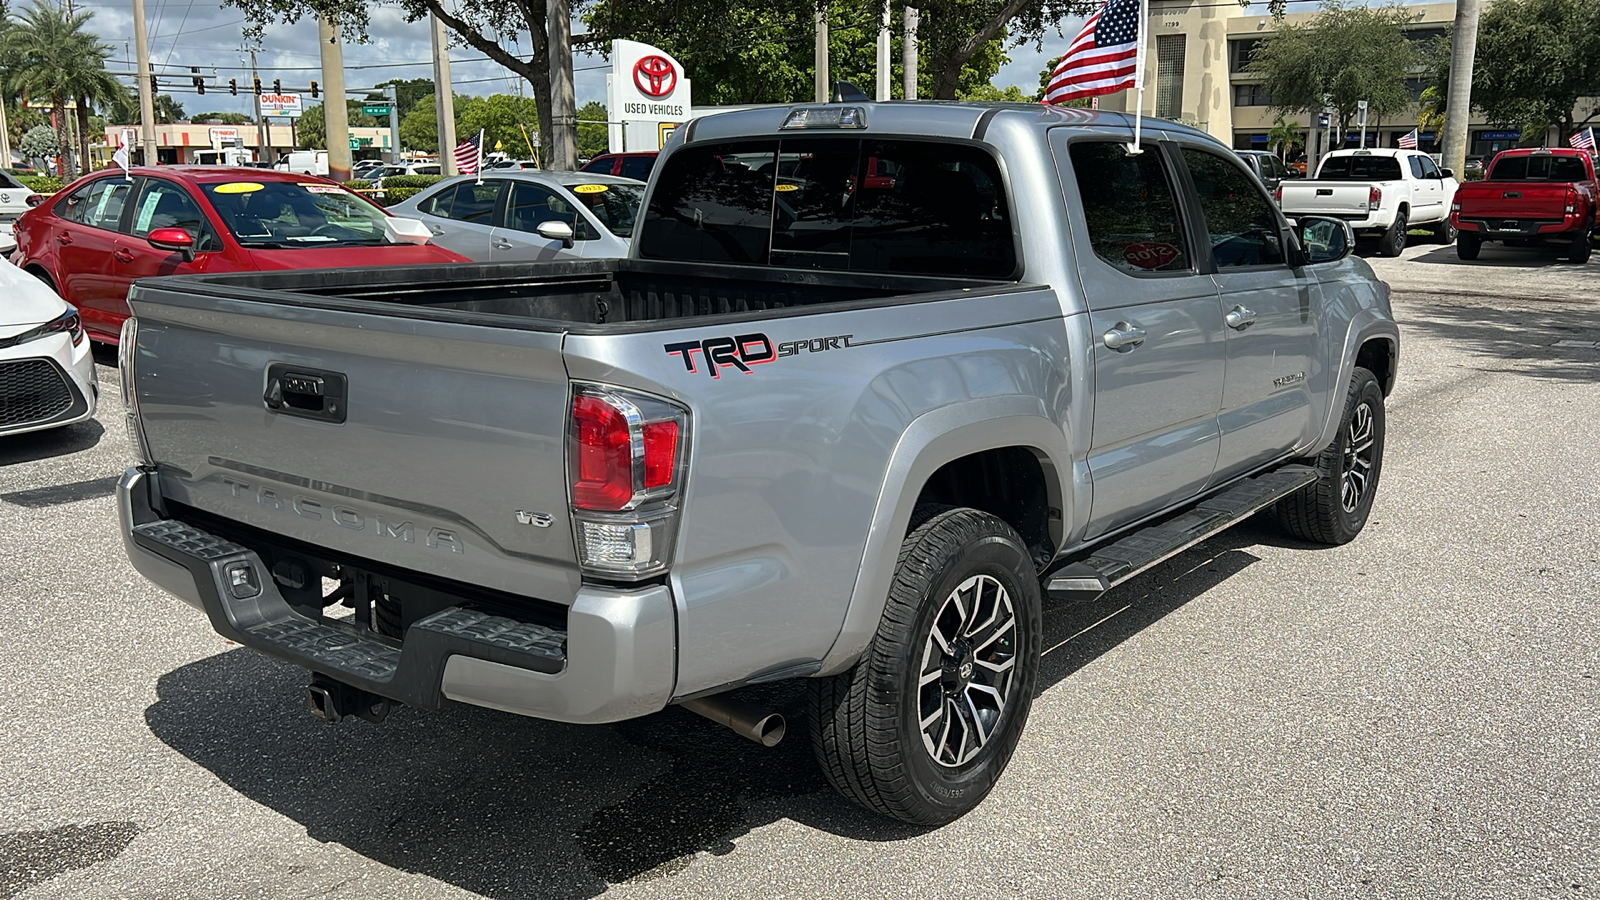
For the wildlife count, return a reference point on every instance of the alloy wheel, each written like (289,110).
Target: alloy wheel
(968,669)
(1357,459)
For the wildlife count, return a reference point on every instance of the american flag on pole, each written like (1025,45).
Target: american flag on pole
(1103,58)
(1583,140)
(468,154)
(1408,141)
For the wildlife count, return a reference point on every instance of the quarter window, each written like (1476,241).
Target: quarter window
(1129,206)
(465,202)
(1240,222)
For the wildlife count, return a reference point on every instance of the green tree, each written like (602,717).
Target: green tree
(311,129)
(593,139)
(1346,54)
(52,55)
(168,110)
(407,91)
(505,120)
(39,142)
(1535,59)
(1284,137)
(221,118)
(419,126)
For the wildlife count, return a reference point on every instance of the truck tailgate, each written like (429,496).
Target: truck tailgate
(1513,200)
(444,433)
(1328,198)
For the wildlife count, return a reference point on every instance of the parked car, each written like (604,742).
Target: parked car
(513,164)
(16,198)
(830,432)
(364,169)
(1380,192)
(1267,167)
(1472,169)
(517,215)
(103,231)
(1546,196)
(46,371)
(636,165)
(304,162)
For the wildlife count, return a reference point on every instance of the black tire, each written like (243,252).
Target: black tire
(1326,511)
(1468,243)
(1581,247)
(866,724)
(1445,232)
(1394,240)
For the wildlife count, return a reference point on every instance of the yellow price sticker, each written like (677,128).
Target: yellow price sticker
(590,189)
(787,187)
(238,187)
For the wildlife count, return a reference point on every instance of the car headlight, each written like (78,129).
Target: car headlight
(66,323)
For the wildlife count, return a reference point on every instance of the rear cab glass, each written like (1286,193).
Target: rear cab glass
(831,203)
(1538,168)
(1360,168)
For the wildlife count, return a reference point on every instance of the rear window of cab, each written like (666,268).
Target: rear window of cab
(843,203)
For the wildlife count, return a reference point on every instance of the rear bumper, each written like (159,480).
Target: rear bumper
(1517,228)
(615,660)
(1376,220)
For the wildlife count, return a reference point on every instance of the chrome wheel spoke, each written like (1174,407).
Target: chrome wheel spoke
(968,661)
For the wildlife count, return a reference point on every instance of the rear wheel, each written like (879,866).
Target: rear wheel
(1468,243)
(921,728)
(1394,240)
(1334,508)
(1581,247)
(1445,232)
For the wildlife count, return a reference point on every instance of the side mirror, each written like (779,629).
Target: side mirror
(1325,239)
(555,231)
(174,239)
(1447,173)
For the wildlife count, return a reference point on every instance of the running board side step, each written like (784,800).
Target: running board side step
(1121,560)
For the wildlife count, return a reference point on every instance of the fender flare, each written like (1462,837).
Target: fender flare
(930,441)
(1368,324)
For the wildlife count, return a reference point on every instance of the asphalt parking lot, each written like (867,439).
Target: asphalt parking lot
(1411,715)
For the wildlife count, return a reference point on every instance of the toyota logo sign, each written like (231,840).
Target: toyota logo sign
(655,76)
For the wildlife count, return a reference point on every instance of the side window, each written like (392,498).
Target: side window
(1429,170)
(1240,222)
(439,204)
(165,205)
(1416,167)
(533,204)
(468,202)
(638,167)
(97,204)
(1129,205)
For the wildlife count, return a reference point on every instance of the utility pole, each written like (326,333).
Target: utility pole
(335,113)
(394,122)
(908,52)
(883,53)
(263,149)
(147,101)
(562,155)
(444,98)
(823,88)
(5,138)
(1458,101)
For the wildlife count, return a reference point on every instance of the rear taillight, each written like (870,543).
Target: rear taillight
(34,200)
(1572,201)
(1277,193)
(625,464)
(1374,198)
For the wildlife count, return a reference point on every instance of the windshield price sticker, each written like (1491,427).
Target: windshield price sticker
(590,189)
(238,187)
(323,188)
(787,187)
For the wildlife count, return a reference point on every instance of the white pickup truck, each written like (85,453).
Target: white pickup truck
(1379,192)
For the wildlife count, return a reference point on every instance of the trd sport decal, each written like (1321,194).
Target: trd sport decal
(745,350)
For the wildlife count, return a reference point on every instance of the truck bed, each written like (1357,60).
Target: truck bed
(584,296)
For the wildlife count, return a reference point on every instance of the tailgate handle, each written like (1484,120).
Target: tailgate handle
(1512,195)
(1324,192)
(307,393)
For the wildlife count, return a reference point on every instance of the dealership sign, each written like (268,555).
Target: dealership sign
(287,105)
(648,95)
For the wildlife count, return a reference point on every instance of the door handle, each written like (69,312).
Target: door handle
(500,244)
(123,256)
(63,238)
(1123,337)
(1240,318)
(436,229)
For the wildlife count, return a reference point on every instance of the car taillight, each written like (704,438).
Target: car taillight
(625,464)
(1277,193)
(1572,201)
(1374,198)
(34,200)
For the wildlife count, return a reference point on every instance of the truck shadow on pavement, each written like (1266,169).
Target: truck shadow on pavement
(1557,341)
(512,807)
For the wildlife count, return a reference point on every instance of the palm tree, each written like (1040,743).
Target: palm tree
(53,56)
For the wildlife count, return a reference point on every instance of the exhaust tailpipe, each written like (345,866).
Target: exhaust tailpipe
(762,726)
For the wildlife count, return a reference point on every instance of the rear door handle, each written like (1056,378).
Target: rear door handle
(123,256)
(1123,337)
(63,238)
(1240,318)
(500,244)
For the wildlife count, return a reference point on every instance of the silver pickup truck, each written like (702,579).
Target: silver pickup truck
(876,379)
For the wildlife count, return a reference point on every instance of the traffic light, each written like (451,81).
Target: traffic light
(199,83)
(258,86)
(154,87)
(233,86)
(313,90)
(277,85)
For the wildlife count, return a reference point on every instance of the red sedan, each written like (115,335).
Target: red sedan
(105,230)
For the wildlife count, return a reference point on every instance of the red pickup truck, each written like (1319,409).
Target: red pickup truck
(1543,195)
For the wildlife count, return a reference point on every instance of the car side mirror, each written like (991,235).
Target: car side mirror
(1325,239)
(174,239)
(555,231)
(1447,173)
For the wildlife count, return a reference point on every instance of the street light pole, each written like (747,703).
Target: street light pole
(147,102)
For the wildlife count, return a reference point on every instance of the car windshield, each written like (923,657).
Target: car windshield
(283,214)
(1360,168)
(1537,168)
(615,205)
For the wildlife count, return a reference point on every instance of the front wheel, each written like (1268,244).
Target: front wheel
(921,728)
(1334,508)
(1394,240)
(1468,243)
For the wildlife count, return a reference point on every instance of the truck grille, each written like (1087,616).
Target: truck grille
(32,391)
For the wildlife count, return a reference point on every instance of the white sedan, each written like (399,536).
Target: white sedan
(46,373)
